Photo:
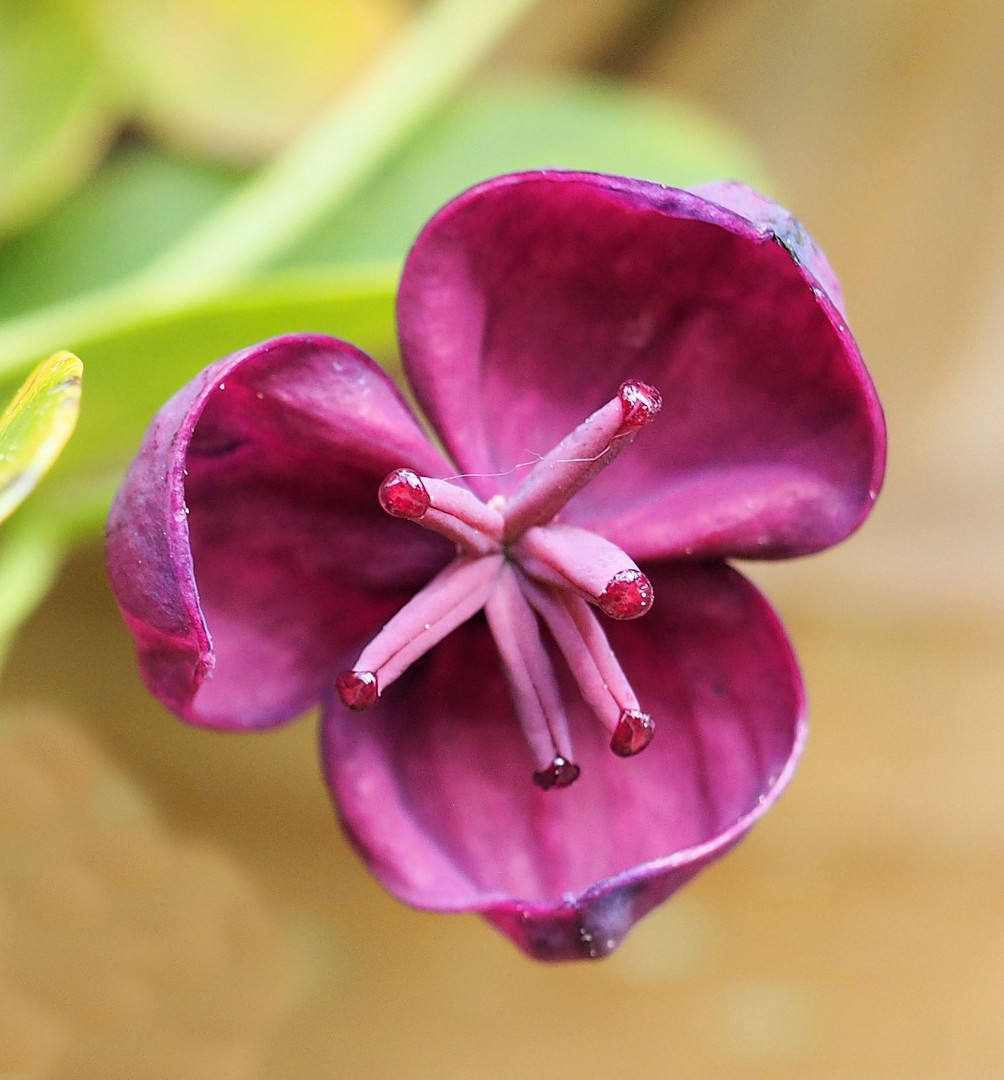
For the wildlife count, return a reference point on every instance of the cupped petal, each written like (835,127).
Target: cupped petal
(433,785)
(786,229)
(247,547)
(528,300)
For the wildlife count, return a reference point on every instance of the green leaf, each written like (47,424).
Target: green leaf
(520,125)
(137,204)
(31,553)
(133,370)
(35,427)
(55,118)
(35,543)
(235,81)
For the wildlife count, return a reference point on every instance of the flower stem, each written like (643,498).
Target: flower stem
(441,47)
(420,69)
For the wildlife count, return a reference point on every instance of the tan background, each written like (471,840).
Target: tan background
(857,933)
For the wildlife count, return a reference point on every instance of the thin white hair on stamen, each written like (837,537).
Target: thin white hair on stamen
(537,458)
(495,475)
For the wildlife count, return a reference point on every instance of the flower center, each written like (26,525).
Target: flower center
(527,570)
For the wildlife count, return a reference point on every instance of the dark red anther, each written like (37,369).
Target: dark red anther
(357,689)
(560,773)
(641,403)
(628,594)
(633,733)
(403,495)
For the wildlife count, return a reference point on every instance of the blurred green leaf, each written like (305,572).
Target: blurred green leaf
(132,371)
(55,117)
(35,427)
(138,203)
(527,124)
(31,553)
(34,544)
(235,81)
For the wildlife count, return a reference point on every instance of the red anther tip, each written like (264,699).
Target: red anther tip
(641,403)
(633,733)
(357,689)
(560,773)
(628,594)
(403,495)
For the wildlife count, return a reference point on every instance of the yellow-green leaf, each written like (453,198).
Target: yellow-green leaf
(35,426)
(55,114)
(236,81)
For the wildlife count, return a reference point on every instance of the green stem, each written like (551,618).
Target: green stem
(435,54)
(426,64)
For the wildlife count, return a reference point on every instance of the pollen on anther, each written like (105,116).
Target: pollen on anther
(628,594)
(640,402)
(561,773)
(357,689)
(402,494)
(633,733)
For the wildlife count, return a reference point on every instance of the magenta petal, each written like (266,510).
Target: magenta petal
(765,214)
(246,547)
(528,300)
(433,785)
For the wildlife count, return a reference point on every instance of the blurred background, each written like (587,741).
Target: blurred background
(176,903)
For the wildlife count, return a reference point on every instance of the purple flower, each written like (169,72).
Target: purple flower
(289,534)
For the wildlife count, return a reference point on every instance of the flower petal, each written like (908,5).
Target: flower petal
(247,548)
(528,300)
(434,785)
(787,230)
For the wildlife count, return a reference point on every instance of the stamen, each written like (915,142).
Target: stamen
(568,565)
(532,683)
(601,680)
(633,733)
(357,689)
(628,594)
(590,448)
(464,505)
(560,773)
(641,403)
(444,508)
(591,565)
(450,599)
(402,494)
